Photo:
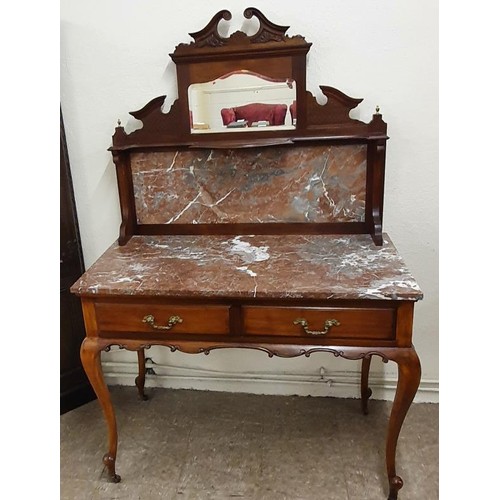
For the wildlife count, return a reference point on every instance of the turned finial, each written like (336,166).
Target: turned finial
(119,122)
(377,110)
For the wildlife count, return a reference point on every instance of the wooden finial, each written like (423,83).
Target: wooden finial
(377,110)
(119,122)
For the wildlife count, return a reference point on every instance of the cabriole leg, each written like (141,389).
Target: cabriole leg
(366,392)
(90,354)
(408,381)
(140,380)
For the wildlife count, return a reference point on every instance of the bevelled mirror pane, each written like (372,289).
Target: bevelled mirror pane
(242,101)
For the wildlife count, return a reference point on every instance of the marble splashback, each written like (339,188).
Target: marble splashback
(307,183)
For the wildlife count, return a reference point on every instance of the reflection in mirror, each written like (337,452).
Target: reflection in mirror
(242,101)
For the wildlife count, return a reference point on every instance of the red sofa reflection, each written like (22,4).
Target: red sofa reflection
(274,114)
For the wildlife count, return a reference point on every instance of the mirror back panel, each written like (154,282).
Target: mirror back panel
(246,149)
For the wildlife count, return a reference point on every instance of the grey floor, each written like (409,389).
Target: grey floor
(187,445)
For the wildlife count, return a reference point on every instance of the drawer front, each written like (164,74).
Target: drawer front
(366,323)
(162,318)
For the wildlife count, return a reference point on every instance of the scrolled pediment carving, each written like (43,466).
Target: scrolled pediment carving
(210,38)
(209,35)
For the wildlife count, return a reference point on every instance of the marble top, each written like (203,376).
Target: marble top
(326,267)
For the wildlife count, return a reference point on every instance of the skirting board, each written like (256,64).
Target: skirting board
(332,384)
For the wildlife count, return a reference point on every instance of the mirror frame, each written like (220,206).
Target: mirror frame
(268,52)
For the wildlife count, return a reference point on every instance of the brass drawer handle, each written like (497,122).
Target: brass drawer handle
(172,321)
(328,324)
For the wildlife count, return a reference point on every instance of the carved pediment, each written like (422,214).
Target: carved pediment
(210,38)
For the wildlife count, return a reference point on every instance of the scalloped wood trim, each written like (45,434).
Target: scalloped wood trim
(352,352)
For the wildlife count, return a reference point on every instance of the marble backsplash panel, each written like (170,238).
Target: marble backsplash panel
(314,183)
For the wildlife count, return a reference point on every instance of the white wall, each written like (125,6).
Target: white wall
(114,59)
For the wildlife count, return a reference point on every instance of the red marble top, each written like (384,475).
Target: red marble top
(327,267)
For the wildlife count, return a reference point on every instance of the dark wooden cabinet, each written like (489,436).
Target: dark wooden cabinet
(75,389)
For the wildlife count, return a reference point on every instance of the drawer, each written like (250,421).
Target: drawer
(196,319)
(366,323)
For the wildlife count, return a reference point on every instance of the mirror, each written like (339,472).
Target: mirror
(242,101)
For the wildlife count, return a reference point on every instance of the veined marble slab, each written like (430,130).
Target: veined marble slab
(310,183)
(284,266)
